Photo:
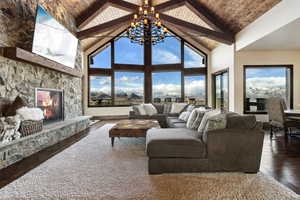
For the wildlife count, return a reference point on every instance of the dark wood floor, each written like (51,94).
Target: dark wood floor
(280,159)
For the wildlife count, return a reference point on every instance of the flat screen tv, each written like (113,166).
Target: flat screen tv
(52,40)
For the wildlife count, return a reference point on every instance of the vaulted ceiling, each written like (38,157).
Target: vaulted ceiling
(202,22)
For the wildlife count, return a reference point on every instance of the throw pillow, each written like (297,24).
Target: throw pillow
(184,116)
(19,102)
(191,118)
(204,120)
(177,107)
(198,119)
(136,110)
(150,109)
(215,122)
(190,108)
(141,109)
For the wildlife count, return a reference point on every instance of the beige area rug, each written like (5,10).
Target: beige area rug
(91,169)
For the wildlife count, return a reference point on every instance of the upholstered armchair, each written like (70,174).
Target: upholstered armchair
(277,117)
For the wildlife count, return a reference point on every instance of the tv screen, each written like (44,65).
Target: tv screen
(52,40)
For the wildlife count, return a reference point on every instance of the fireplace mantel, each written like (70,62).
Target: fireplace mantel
(22,55)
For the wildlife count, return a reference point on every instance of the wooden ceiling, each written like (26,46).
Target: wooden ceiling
(208,21)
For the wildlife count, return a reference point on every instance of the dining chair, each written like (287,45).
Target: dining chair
(277,117)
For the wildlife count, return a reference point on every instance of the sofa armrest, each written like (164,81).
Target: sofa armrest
(235,149)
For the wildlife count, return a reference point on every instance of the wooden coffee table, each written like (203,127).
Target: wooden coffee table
(131,128)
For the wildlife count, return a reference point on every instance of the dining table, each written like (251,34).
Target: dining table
(292,113)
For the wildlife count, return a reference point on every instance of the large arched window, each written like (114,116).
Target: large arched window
(122,73)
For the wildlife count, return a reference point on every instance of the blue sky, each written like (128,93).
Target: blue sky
(265,72)
(164,83)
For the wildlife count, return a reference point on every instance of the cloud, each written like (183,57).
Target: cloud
(105,89)
(165,57)
(195,88)
(265,83)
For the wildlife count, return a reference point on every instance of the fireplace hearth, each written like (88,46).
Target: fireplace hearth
(51,102)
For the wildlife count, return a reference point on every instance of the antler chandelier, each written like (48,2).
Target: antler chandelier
(146,26)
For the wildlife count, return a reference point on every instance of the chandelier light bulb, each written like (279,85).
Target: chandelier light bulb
(146,2)
(145,21)
(152,9)
(141,9)
(135,16)
(157,15)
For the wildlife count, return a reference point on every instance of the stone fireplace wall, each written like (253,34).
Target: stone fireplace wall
(17,18)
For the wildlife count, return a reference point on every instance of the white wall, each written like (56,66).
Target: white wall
(265,58)
(222,58)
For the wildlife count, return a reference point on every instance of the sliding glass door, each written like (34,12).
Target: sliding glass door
(221,87)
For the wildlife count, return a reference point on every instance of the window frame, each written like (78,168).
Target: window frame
(290,84)
(214,87)
(148,68)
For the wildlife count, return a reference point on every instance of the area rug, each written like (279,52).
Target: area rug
(92,170)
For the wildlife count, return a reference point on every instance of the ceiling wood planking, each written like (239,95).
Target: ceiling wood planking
(110,13)
(237,14)
(169,5)
(89,14)
(125,5)
(206,16)
(104,27)
(204,32)
(184,13)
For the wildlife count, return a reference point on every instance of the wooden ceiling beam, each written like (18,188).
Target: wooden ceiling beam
(89,14)
(124,5)
(169,5)
(217,36)
(101,28)
(206,16)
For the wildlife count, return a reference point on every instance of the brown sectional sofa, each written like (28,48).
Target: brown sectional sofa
(162,115)
(238,147)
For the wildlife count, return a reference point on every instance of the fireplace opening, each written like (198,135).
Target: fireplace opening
(51,102)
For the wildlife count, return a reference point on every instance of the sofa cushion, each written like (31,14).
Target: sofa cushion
(174,122)
(150,109)
(177,107)
(167,108)
(178,125)
(141,109)
(174,143)
(159,107)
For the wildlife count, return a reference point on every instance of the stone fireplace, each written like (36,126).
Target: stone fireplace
(51,101)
